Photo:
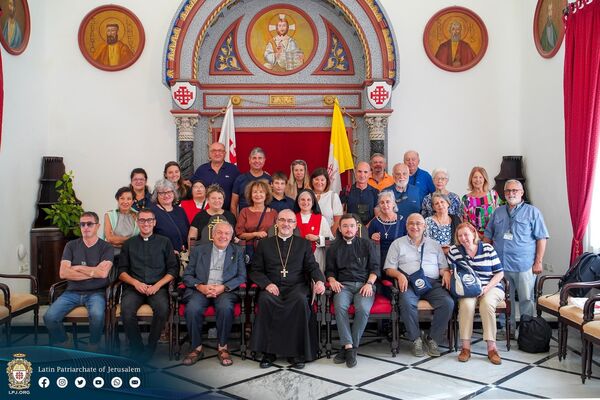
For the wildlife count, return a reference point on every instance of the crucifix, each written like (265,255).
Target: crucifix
(284,272)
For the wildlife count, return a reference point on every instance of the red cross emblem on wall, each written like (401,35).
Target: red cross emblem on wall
(184,94)
(379,93)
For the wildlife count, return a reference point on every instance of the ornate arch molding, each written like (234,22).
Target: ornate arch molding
(203,31)
(195,18)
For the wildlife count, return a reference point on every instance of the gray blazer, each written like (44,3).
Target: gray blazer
(197,271)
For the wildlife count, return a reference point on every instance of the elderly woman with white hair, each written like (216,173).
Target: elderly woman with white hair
(388,225)
(440,180)
(171,220)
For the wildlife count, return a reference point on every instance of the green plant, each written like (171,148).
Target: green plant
(66,212)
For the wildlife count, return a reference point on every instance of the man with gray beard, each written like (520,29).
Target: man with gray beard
(518,233)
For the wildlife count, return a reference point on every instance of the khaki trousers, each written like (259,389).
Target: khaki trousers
(487,311)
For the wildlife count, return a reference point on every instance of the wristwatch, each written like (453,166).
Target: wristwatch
(370,283)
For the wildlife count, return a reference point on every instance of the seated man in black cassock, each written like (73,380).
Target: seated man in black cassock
(283,266)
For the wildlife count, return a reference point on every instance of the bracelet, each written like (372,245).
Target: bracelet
(369,283)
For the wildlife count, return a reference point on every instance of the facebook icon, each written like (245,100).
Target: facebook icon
(44,382)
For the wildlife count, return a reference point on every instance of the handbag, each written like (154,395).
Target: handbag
(418,281)
(464,282)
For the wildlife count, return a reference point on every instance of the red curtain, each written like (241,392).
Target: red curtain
(283,147)
(582,105)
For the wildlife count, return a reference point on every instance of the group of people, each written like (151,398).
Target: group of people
(291,236)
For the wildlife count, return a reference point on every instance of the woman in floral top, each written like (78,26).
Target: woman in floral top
(480,202)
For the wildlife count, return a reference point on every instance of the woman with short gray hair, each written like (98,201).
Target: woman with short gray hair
(388,225)
(171,220)
(440,180)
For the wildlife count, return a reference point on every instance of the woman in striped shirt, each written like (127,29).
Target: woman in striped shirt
(482,258)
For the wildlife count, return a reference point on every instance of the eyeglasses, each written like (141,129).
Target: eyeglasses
(88,224)
(512,190)
(143,221)
(413,223)
(217,151)
(283,220)
(170,192)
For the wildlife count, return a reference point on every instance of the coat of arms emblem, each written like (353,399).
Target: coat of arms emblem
(19,372)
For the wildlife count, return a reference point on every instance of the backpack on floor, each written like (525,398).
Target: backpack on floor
(585,269)
(534,334)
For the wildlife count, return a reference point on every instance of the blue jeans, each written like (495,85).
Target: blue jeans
(224,312)
(95,304)
(524,284)
(440,300)
(362,305)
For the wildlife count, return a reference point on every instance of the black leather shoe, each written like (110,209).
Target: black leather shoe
(296,363)
(351,357)
(267,361)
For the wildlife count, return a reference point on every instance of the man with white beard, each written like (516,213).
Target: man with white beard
(518,233)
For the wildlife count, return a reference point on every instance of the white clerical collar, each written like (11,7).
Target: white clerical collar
(348,241)
(218,249)
(284,238)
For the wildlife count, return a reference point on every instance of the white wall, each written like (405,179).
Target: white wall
(104,124)
(542,135)
(24,141)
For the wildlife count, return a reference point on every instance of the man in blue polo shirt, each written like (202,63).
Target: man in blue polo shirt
(519,234)
(362,197)
(408,198)
(217,170)
(256,160)
(418,177)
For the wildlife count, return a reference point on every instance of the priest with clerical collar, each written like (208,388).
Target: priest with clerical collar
(283,267)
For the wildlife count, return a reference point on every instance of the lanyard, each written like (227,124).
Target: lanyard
(422,248)
(511,217)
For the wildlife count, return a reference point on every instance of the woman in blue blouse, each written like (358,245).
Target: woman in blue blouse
(482,258)
(441,225)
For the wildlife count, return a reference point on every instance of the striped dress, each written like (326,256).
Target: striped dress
(486,262)
(478,210)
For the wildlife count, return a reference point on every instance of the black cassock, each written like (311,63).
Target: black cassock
(284,324)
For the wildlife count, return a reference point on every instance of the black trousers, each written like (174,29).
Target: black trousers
(131,301)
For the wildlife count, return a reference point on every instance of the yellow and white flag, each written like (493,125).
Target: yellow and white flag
(340,156)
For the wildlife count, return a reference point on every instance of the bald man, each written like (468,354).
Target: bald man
(418,177)
(361,200)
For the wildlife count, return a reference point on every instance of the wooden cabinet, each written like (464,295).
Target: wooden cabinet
(47,246)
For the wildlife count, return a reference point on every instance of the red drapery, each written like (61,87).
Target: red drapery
(582,105)
(283,147)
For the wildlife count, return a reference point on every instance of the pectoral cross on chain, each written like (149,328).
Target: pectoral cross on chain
(386,235)
(284,273)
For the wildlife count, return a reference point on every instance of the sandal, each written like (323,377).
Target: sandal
(225,357)
(193,357)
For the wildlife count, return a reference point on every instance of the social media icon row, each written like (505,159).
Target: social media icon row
(97,382)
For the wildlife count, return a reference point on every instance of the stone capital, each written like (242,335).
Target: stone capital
(377,124)
(186,123)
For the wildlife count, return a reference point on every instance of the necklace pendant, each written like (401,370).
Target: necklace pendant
(386,235)
(284,272)
(312,228)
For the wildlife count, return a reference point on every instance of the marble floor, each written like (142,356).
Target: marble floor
(378,375)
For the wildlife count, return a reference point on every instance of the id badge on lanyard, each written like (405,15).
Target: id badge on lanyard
(509,234)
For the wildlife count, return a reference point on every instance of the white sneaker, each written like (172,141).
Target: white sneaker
(432,347)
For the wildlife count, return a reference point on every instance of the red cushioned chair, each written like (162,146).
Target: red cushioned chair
(382,309)
(239,315)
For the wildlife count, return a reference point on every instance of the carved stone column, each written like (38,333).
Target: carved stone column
(377,124)
(186,124)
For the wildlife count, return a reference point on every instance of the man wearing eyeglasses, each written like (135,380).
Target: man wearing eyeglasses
(85,264)
(146,265)
(282,267)
(218,171)
(518,233)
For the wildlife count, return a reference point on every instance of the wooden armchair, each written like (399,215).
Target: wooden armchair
(80,313)
(20,303)
(570,315)
(591,336)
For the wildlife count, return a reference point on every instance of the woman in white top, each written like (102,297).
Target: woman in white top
(329,202)
(311,224)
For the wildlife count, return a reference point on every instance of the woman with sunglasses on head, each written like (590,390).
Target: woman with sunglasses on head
(142,197)
(120,223)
